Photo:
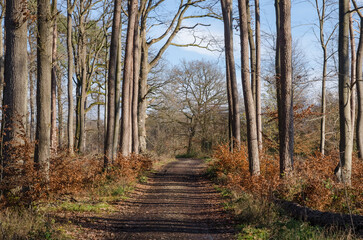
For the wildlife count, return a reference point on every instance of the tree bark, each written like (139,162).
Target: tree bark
(253,155)
(359,70)
(344,168)
(135,95)
(53,125)
(44,60)
(352,72)
(126,125)
(116,135)
(232,91)
(15,76)
(286,126)
(108,148)
(70,130)
(258,73)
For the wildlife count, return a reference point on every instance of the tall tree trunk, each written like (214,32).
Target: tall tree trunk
(135,95)
(70,133)
(53,125)
(344,168)
(286,126)
(83,79)
(323,103)
(252,51)
(126,125)
(143,90)
(44,60)
(60,112)
(15,76)
(253,156)
(258,73)
(232,91)
(116,135)
(278,61)
(359,70)
(352,72)
(108,148)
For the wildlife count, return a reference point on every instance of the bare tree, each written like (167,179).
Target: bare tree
(253,155)
(359,81)
(15,75)
(173,27)
(44,60)
(126,120)
(344,168)
(53,121)
(324,11)
(109,138)
(232,92)
(70,133)
(258,73)
(286,127)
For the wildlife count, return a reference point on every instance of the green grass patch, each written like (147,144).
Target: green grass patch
(85,207)
(28,224)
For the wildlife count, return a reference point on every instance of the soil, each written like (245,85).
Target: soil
(177,202)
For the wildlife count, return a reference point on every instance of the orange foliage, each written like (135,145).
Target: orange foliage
(313,183)
(23,183)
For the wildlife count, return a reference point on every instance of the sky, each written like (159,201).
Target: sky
(303,18)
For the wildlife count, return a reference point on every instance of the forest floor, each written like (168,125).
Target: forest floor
(175,202)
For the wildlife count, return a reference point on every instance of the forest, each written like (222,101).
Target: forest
(137,120)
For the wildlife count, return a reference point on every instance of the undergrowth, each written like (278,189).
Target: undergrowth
(75,184)
(312,184)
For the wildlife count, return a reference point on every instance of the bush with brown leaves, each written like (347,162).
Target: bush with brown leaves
(312,184)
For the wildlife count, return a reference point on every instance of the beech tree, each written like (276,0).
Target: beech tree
(44,60)
(324,10)
(359,81)
(252,141)
(70,133)
(286,127)
(126,120)
(344,169)
(109,138)
(232,92)
(167,38)
(15,76)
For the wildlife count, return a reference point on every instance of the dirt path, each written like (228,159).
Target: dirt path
(175,203)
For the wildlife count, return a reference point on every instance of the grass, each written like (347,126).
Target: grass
(28,224)
(85,207)
(260,219)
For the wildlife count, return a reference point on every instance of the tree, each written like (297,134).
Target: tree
(15,76)
(232,92)
(44,60)
(344,169)
(324,11)
(258,73)
(286,127)
(252,141)
(108,148)
(70,134)
(194,98)
(126,120)
(53,121)
(359,80)
(148,61)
